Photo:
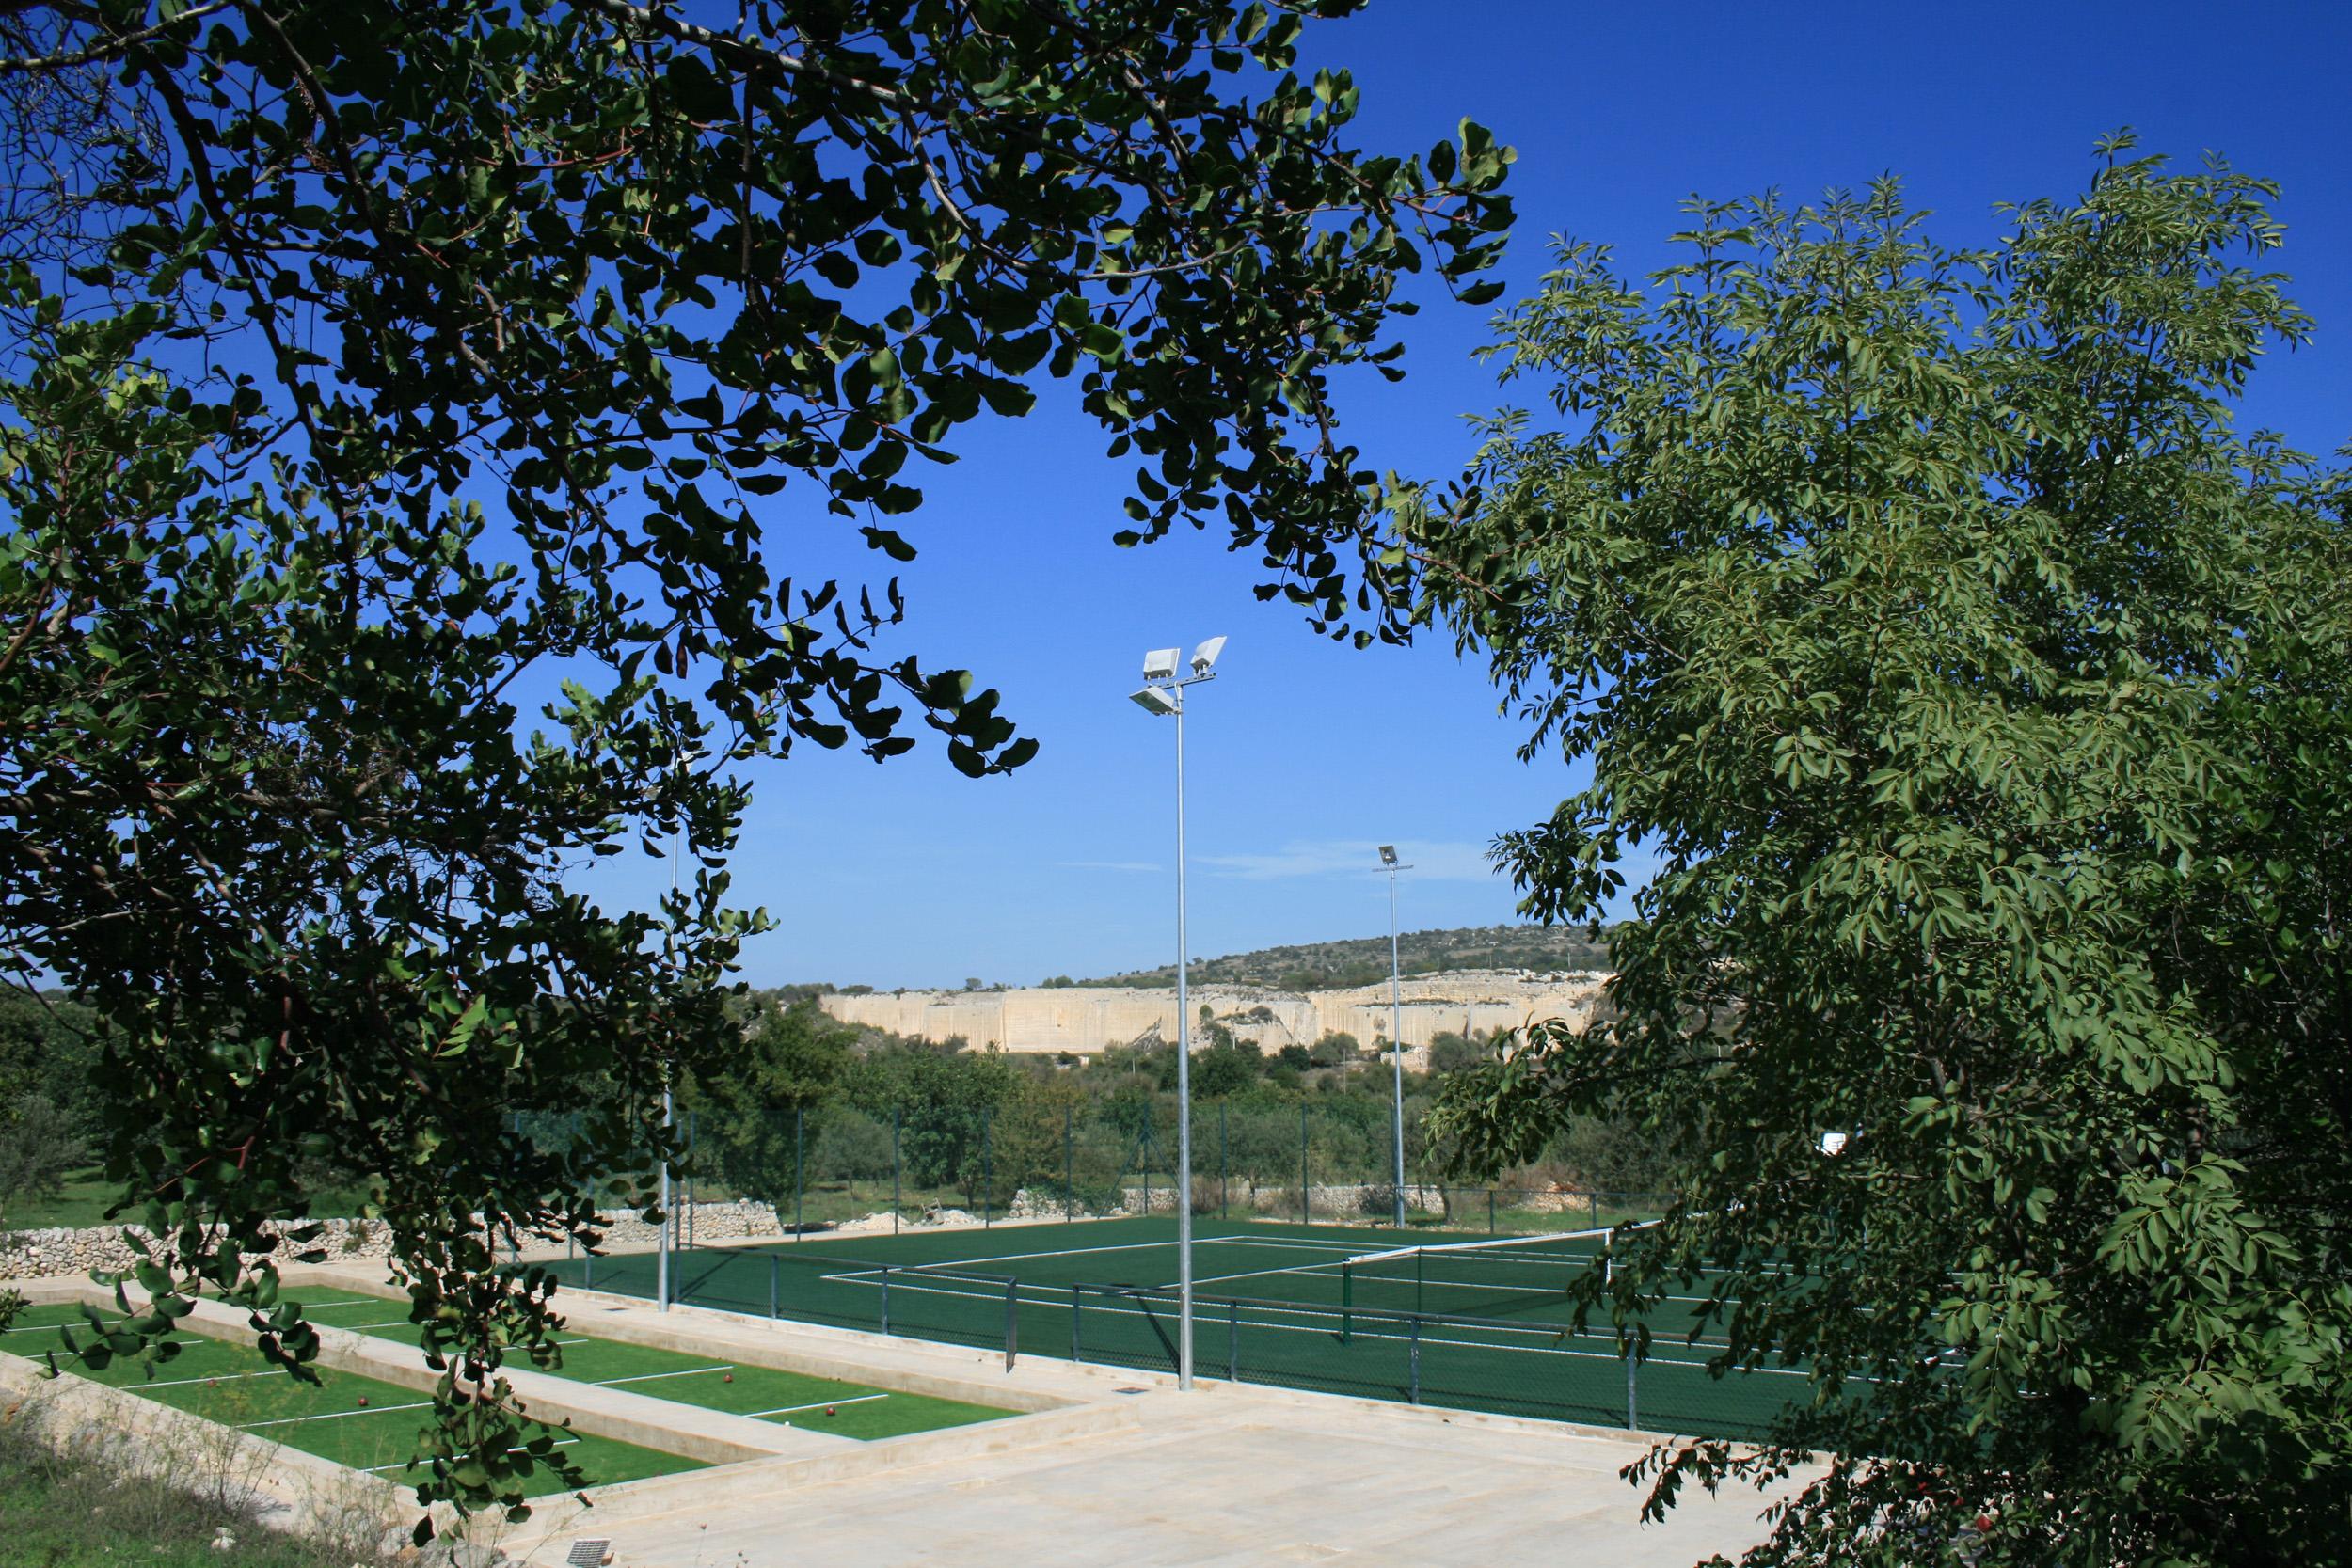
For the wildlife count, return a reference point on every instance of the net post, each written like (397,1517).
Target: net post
(1414,1393)
(775,1283)
(1078,1315)
(1232,1342)
(798,1185)
(1013,1321)
(885,1298)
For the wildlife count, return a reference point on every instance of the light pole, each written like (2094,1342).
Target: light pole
(1396,1027)
(1163,694)
(669,1093)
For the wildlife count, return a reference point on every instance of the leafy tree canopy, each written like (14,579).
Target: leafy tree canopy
(371,364)
(1982,693)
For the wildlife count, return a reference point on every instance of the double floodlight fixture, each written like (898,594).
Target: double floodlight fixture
(1161,677)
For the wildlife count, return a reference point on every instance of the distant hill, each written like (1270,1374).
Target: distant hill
(1363,960)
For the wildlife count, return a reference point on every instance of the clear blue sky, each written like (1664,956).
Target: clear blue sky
(1305,753)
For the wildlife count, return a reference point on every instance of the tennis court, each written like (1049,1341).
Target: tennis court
(353,1420)
(829,1405)
(1481,1329)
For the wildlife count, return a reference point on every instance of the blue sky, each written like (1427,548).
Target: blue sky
(1305,753)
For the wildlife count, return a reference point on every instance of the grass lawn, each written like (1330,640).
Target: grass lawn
(58,1510)
(85,1196)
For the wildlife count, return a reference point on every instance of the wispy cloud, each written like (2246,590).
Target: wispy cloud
(1108,865)
(1430,861)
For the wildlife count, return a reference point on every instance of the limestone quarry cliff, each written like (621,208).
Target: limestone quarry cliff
(1083,1020)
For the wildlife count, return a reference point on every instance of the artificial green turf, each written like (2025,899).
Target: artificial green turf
(765,1393)
(1269,1308)
(353,1420)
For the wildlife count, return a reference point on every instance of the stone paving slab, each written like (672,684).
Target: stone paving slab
(1222,1482)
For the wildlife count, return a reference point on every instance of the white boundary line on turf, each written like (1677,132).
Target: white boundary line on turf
(331,1416)
(876,1265)
(408,1463)
(216,1377)
(821,1404)
(648,1377)
(1477,1345)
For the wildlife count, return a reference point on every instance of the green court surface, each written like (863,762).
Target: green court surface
(788,1398)
(357,1421)
(1273,1304)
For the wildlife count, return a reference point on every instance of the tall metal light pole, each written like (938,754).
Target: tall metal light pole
(1396,1027)
(1163,694)
(669,1093)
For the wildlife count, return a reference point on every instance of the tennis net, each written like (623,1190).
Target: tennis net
(1513,1277)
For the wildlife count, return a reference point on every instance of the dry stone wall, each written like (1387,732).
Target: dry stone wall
(1084,1019)
(47,1254)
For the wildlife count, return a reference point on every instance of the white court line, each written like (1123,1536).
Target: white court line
(407,1464)
(1349,1249)
(332,1415)
(648,1377)
(1471,1344)
(216,1377)
(821,1404)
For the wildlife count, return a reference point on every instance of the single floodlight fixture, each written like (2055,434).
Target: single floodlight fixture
(1159,664)
(1153,700)
(1204,656)
(1833,1143)
(1388,854)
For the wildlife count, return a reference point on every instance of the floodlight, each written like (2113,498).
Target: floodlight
(1153,700)
(1833,1143)
(1204,656)
(1159,664)
(1388,854)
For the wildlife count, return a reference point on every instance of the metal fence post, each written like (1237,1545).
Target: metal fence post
(1490,1211)
(1632,1384)
(1013,1321)
(775,1282)
(1078,1315)
(693,1186)
(588,1272)
(799,1184)
(894,1194)
(1595,1198)
(988,1121)
(885,1298)
(1069,1170)
(1413,1394)
(1232,1342)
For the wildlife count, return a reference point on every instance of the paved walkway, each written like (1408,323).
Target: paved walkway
(1223,1476)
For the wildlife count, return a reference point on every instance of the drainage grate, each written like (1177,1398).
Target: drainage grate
(588,1554)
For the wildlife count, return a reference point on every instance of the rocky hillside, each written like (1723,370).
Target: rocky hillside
(1363,960)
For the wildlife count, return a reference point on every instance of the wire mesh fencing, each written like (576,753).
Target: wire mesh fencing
(827,1165)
